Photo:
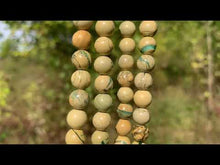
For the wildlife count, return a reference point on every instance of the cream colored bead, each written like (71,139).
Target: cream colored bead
(81,39)
(124,110)
(145,63)
(148,28)
(79,99)
(147,45)
(143,81)
(103,83)
(83,25)
(101,121)
(125,78)
(123,127)
(127,28)
(102,102)
(81,79)
(125,94)
(104,28)
(103,45)
(126,62)
(100,137)
(127,45)
(141,115)
(103,64)
(81,59)
(142,98)
(76,119)
(122,140)
(75,137)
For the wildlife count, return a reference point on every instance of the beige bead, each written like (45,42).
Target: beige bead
(140,133)
(103,65)
(104,28)
(83,25)
(81,39)
(100,137)
(122,140)
(147,45)
(123,127)
(79,99)
(124,110)
(102,102)
(81,59)
(141,115)
(101,121)
(126,62)
(143,81)
(103,83)
(145,63)
(127,28)
(81,79)
(142,98)
(103,45)
(125,78)
(127,45)
(148,28)
(125,94)
(76,119)
(75,137)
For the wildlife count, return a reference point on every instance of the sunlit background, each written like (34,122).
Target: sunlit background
(35,71)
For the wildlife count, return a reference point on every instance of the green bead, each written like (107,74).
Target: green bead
(102,102)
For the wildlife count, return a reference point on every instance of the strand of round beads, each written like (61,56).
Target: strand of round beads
(143,80)
(80,79)
(125,79)
(103,83)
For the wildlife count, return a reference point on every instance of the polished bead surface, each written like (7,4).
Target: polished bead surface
(101,121)
(100,137)
(145,63)
(127,28)
(124,110)
(81,39)
(103,83)
(103,64)
(76,119)
(125,78)
(81,79)
(81,59)
(104,28)
(140,133)
(103,46)
(127,45)
(143,81)
(125,94)
(122,140)
(141,115)
(79,99)
(142,98)
(123,127)
(148,28)
(83,25)
(75,137)
(147,45)
(102,102)
(126,62)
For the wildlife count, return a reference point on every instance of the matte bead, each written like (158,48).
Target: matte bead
(122,140)
(103,83)
(125,94)
(101,121)
(145,63)
(81,39)
(100,137)
(140,133)
(79,99)
(103,65)
(76,119)
(126,62)
(124,110)
(83,25)
(104,28)
(123,127)
(125,78)
(127,45)
(148,28)
(103,46)
(81,59)
(102,102)
(127,28)
(143,81)
(141,115)
(142,98)
(75,137)
(81,79)
(147,45)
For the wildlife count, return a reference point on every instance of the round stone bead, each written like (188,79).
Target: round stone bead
(141,115)
(142,98)
(140,133)
(100,137)
(147,45)
(104,28)
(81,59)
(125,78)
(103,83)
(79,99)
(148,28)
(83,25)
(81,79)
(125,94)
(127,28)
(127,45)
(145,63)
(103,45)
(81,39)
(102,102)
(103,64)
(75,137)
(101,121)
(122,140)
(126,62)
(123,127)
(76,119)
(124,110)
(143,81)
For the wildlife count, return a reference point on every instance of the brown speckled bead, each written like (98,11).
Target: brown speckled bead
(125,94)
(81,79)
(103,46)
(81,59)
(148,28)
(142,98)
(126,62)
(79,99)
(83,25)
(127,28)
(81,39)
(145,63)
(127,45)
(125,78)
(103,83)
(104,28)
(147,45)
(140,133)
(122,140)
(123,127)
(75,137)
(143,81)
(103,64)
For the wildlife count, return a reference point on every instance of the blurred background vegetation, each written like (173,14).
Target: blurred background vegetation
(35,71)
